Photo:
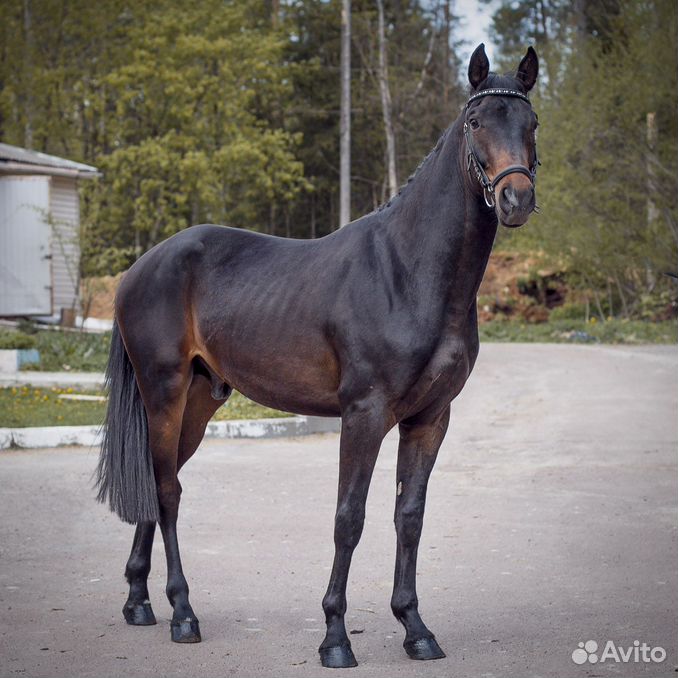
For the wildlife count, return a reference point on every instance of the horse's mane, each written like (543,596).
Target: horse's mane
(434,151)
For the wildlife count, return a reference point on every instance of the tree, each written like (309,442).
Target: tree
(223,112)
(345,121)
(386,104)
(595,182)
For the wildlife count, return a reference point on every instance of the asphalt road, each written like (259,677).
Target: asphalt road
(552,520)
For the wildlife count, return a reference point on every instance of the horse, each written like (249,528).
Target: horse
(375,323)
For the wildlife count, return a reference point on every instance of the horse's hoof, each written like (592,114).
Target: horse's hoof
(338,657)
(185,630)
(423,648)
(139,614)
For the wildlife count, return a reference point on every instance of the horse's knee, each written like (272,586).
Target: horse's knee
(409,518)
(348,525)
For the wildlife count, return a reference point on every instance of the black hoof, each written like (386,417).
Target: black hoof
(423,648)
(339,657)
(185,630)
(139,614)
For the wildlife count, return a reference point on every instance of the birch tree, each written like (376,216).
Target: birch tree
(345,115)
(386,104)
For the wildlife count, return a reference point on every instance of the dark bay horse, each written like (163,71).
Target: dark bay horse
(375,323)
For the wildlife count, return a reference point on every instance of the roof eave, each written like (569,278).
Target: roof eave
(13,167)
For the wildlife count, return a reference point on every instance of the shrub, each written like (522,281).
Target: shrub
(10,339)
(569,311)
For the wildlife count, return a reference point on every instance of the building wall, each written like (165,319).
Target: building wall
(25,265)
(64,208)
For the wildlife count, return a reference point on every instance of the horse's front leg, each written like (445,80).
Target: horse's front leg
(417,452)
(364,425)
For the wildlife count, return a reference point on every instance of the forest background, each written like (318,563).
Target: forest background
(228,112)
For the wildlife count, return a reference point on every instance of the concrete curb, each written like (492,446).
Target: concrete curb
(90,436)
(87,381)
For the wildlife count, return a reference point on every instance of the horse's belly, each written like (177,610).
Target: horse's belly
(302,382)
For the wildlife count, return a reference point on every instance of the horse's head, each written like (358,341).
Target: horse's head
(500,136)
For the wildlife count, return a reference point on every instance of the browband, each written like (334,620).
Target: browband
(498,92)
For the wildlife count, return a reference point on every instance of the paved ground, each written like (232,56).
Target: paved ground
(552,519)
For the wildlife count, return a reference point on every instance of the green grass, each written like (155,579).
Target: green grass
(71,351)
(27,406)
(578,331)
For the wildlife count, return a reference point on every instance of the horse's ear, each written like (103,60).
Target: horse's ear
(479,66)
(528,70)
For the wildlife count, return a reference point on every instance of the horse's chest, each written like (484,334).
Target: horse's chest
(444,376)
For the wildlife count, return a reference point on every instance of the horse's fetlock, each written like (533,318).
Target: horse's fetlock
(334,606)
(176,588)
(137,569)
(403,603)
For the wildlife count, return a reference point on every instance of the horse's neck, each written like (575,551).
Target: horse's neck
(442,226)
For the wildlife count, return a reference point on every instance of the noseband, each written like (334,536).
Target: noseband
(472,159)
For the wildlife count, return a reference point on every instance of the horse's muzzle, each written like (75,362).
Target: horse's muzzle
(514,205)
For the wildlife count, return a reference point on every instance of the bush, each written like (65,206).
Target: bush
(10,339)
(569,311)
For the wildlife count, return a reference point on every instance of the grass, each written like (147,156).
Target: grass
(612,331)
(27,406)
(71,351)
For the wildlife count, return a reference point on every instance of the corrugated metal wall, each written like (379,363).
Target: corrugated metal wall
(65,211)
(24,246)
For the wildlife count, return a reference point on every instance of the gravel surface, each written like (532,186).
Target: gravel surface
(551,520)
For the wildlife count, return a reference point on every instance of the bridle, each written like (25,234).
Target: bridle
(472,159)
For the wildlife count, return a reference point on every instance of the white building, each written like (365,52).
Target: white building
(39,232)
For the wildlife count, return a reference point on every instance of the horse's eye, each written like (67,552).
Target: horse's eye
(474,123)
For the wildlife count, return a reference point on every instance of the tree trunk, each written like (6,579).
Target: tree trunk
(651,183)
(386,105)
(345,117)
(28,71)
(446,66)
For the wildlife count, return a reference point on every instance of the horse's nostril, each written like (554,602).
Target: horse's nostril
(510,196)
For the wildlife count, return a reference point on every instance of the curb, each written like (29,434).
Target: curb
(76,380)
(90,436)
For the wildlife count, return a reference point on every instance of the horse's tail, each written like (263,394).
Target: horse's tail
(124,476)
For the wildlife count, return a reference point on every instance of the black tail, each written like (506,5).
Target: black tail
(124,477)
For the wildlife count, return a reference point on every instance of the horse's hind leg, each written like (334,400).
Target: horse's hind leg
(419,444)
(177,416)
(200,407)
(137,610)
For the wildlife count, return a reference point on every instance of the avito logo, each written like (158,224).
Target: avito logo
(638,652)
